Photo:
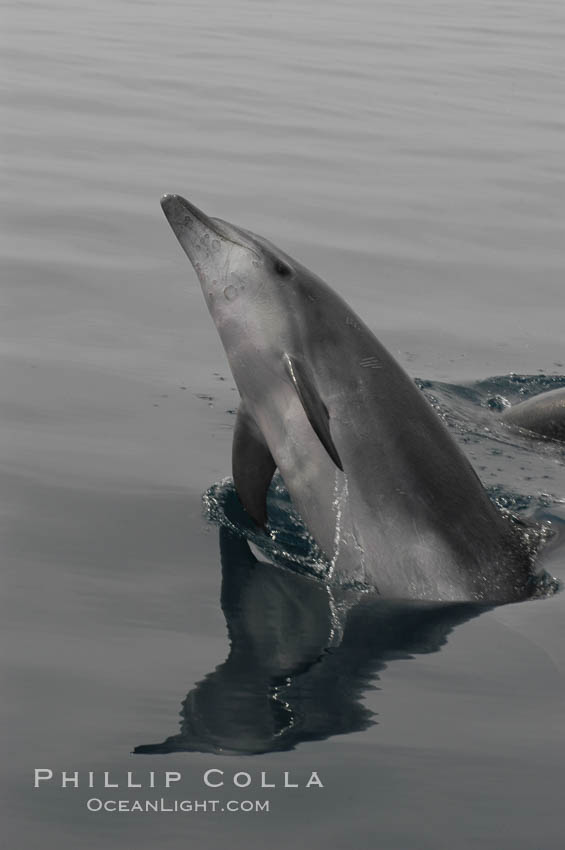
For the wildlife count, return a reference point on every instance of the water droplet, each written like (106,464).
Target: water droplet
(230,292)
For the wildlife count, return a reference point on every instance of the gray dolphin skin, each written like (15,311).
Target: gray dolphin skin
(544,414)
(379,482)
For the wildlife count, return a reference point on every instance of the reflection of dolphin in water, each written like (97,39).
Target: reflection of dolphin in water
(379,482)
(300,660)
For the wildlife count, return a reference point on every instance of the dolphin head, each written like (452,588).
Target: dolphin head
(234,266)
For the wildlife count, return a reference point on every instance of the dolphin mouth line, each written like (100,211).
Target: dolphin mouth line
(215,225)
(170,197)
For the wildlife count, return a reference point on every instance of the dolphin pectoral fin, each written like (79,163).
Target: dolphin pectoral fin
(314,407)
(252,466)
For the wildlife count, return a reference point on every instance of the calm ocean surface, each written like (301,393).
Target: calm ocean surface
(411,153)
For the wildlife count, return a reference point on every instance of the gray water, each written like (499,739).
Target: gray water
(412,155)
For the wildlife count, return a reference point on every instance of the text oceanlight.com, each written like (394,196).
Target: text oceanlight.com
(186,806)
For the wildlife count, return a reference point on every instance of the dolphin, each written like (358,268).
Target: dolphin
(544,414)
(379,482)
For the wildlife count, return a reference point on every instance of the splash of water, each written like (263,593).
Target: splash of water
(287,543)
(340,498)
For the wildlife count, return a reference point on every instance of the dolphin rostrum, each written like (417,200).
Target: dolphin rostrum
(379,482)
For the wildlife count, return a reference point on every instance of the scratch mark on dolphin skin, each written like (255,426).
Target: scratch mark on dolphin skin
(370,363)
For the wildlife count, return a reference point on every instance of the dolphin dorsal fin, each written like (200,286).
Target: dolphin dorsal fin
(313,405)
(252,466)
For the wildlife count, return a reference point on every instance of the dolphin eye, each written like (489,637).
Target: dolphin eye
(281,269)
